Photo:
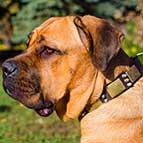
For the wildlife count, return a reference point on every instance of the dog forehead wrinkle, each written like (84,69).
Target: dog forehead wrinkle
(52,35)
(36,37)
(40,38)
(63,23)
(48,23)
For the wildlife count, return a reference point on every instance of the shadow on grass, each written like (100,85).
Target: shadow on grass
(5,108)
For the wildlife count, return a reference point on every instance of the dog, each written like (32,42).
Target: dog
(74,65)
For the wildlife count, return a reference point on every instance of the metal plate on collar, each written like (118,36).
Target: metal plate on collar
(115,88)
(134,73)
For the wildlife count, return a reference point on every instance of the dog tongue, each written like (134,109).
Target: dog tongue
(44,112)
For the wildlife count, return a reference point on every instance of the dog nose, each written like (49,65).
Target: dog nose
(9,68)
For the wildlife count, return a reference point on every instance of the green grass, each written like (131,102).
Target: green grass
(21,125)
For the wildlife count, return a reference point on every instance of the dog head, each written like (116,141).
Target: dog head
(58,69)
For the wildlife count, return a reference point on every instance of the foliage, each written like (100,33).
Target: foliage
(7,9)
(133,43)
(32,15)
(35,12)
(27,14)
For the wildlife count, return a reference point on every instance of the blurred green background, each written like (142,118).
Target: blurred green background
(17,19)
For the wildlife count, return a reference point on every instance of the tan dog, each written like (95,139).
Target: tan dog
(68,62)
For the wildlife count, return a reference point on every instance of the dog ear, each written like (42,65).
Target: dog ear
(102,42)
(100,37)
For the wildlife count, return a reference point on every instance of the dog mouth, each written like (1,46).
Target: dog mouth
(42,107)
(44,110)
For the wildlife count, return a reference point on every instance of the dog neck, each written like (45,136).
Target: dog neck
(120,63)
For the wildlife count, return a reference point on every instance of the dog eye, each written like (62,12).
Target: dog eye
(47,51)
